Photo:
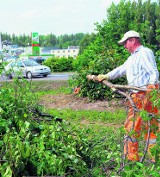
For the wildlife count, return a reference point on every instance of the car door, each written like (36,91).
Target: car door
(21,68)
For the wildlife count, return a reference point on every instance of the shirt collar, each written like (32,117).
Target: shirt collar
(137,49)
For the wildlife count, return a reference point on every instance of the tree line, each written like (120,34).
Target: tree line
(51,40)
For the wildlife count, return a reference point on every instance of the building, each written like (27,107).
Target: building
(72,51)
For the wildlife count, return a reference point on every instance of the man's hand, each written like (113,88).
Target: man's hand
(150,88)
(90,77)
(102,77)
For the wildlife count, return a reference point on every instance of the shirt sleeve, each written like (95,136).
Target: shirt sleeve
(118,72)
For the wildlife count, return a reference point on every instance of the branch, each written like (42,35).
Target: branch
(116,88)
(147,142)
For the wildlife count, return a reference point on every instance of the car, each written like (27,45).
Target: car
(9,58)
(26,68)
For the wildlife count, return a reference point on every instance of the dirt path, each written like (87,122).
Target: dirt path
(62,101)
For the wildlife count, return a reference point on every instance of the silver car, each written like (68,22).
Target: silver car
(26,68)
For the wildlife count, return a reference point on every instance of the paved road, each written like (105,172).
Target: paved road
(56,76)
(63,76)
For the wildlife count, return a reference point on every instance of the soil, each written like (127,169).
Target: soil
(73,101)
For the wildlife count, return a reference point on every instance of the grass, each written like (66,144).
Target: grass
(84,118)
(51,87)
(90,116)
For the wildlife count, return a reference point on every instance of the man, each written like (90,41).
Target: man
(141,71)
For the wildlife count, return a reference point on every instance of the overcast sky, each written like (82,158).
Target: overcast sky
(52,16)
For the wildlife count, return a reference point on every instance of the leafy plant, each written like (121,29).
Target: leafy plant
(59,64)
(30,145)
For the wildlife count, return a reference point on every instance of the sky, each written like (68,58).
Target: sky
(58,17)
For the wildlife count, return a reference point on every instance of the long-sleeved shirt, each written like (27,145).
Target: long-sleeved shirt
(140,68)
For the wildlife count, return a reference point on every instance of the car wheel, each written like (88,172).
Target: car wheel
(29,75)
(45,75)
(10,76)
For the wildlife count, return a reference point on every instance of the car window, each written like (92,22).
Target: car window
(13,64)
(30,63)
(20,64)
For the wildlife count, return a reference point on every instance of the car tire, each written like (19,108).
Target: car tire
(10,76)
(29,75)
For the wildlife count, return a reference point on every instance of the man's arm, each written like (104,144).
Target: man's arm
(118,72)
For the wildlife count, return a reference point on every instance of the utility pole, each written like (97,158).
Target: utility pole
(0,42)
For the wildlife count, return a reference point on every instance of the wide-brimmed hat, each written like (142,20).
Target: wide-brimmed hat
(128,35)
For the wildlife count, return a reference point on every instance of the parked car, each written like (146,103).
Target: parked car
(9,58)
(26,68)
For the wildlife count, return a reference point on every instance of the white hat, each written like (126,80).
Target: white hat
(128,35)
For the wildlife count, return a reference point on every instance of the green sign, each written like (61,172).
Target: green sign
(35,43)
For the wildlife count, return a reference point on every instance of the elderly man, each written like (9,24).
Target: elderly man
(141,71)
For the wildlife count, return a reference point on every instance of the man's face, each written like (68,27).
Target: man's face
(129,44)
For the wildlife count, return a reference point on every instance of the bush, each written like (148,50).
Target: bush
(95,60)
(59,64)
(31,145)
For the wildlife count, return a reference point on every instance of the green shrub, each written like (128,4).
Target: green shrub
(59,64)
(31,145)
(96,60)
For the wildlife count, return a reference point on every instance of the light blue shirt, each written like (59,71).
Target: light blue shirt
(140,68)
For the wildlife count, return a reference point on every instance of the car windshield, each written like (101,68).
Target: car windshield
(30,63)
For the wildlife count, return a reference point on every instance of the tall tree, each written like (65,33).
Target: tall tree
(157,22)
(104,53)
